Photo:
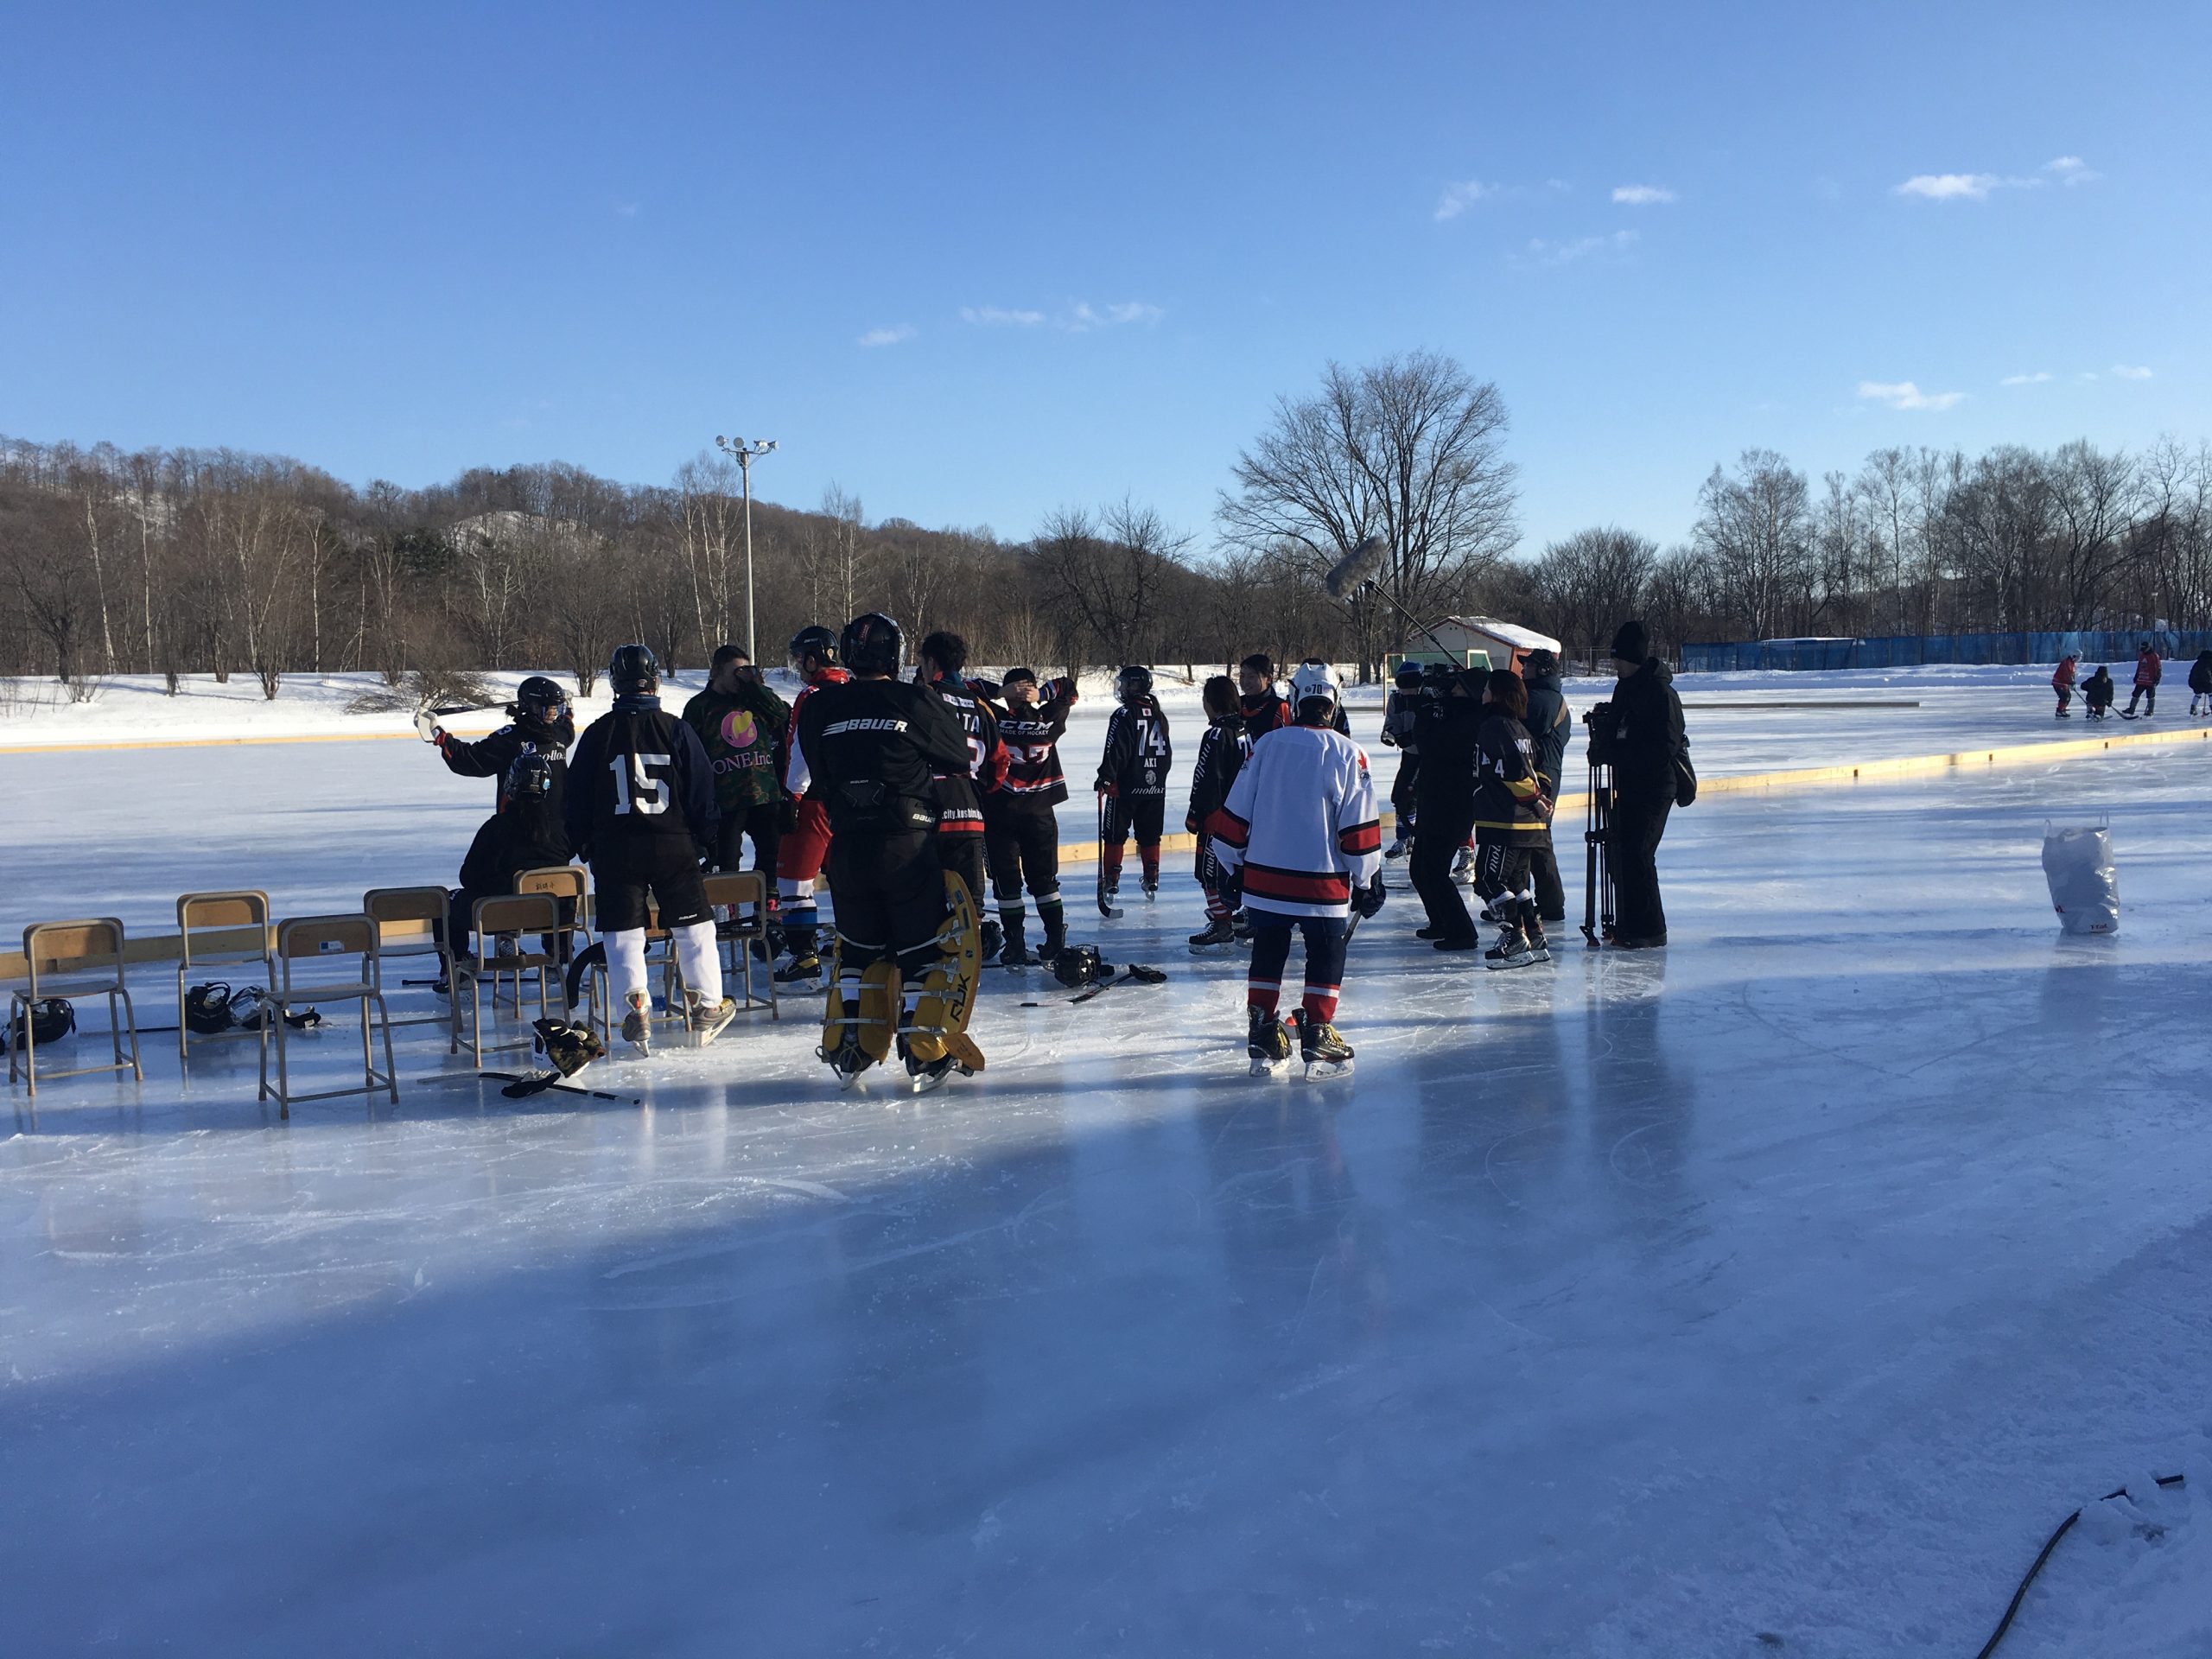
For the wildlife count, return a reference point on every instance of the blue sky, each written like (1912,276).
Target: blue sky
(1091,246)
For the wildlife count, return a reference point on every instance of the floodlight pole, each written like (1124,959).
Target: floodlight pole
(745,454)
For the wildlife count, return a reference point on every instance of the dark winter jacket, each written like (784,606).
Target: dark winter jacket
(1648,735)
(1032,734)
(1549,723)
(1507,788)
(1222,749)
(514,839)
(490,757)
(1264,713)
(2096,690)
(874,749)
(642,778)
(1138,751)
(1446,729)
(745,734)
(2200,672)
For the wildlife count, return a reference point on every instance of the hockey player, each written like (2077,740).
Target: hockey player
(1021,835)
(744,728)
(1550,725)
(1133,778)
(1398,734)
(1262,706)
(874,747)
(1300,823)
(2097,693)
(1341,723)
(2061,681)
(960,793)
(2200,684)
(2148,671)
(1511,814)
(1223,751)
(525,833)
(1445,726)
(643,815)
(806,833)
(539,722)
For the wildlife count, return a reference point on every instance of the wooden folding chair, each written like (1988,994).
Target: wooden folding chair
(220,929)
(326,939)
(502,916)
(387,906)
(73,959)
(734,889)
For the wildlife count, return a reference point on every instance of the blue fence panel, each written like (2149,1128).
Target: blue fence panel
(2116,645)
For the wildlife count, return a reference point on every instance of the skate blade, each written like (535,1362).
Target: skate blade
(1323,1070)
(712,1029)
(1268,1068)
(1513,961)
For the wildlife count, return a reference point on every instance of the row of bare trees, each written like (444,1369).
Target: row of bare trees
(1917,541)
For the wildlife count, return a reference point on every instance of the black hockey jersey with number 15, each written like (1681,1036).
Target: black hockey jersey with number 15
(874,748)
(1138,753)
(637,774)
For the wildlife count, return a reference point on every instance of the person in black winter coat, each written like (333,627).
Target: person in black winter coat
(642,813)
(1550,725)
(1644,740)
(1222,749)
(541,722)
(2097,692)
(525,834)
(2200,684)
(1445,726)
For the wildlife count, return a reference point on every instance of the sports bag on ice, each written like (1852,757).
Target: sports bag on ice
(2084,886)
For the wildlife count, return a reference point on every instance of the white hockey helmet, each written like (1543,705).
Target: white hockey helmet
(1315,681)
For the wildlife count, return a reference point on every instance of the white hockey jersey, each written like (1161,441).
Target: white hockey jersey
(1301,822)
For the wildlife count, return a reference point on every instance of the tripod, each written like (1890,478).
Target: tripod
(1598,870)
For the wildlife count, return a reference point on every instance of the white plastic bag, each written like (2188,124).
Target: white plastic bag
(2084,886)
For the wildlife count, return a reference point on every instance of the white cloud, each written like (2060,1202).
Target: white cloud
(626,209)
(1951,186)
(1566,253)
(1643,195)
(905,331)
(1903,394)
(998,316)
(2126,372)
(1458,198)
(2035,379)
(2072,169)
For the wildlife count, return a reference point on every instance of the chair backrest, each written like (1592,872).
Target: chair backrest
(322,937)
(222,924)
(84,946)
(736,887)
(517,912)
(561,881)
(405,904)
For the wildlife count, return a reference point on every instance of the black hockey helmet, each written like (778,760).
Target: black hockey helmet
(1132,683)
(633,668)
(540,698)
(529,781)
(1407,677)
(873,644)
(815,641)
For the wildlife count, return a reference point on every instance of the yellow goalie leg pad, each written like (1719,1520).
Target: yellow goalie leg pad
(878,1013)
(948,990)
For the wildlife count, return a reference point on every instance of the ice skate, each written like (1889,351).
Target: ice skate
(1540,947)
(1325,1054)
(1462,867)
(1217,934)
(1151,887)
(993,939)
(928,1076)
(707,1023)
(1511,950)
(1016,953)
(847,1061)
(801,968)
(638,1022)
(1268,1043)
(1397,848)
(1241,925)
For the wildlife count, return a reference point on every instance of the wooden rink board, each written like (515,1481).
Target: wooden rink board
(145,949)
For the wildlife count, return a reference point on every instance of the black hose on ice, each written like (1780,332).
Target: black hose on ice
(2050,1544)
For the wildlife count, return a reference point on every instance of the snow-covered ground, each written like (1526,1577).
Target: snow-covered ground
(1776,1294)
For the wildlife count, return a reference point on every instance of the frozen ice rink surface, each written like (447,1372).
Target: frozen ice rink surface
(1791,1284)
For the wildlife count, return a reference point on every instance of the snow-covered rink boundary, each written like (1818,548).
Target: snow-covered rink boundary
(1790,1285)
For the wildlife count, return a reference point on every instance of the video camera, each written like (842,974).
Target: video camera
(1599,718)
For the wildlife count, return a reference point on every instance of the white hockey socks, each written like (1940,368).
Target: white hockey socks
(626,962)
(701,958)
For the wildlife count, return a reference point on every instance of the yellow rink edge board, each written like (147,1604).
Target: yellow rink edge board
(150,948)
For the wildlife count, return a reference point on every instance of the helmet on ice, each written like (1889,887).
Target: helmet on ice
(873,644)
(1315,691)
(633,668)
(1132,683)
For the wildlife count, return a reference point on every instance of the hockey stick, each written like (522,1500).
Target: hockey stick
(1135,974)
(1106,818)
(521,1087)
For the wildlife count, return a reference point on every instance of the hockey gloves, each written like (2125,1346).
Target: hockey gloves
(570,1048)
(1368,900)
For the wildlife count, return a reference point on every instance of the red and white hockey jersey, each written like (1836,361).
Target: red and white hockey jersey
(1301,822)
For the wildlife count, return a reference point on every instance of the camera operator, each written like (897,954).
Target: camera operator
(1638,732)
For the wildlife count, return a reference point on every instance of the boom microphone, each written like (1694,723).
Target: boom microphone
(1356,567)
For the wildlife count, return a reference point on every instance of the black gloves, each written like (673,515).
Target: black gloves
(1368,900)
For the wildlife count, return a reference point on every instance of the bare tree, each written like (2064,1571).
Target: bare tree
(1590,582)
(1106,576)
(1411,449)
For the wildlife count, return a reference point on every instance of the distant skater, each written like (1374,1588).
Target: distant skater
(2148,669)
(2097,693)
(2200,684)
(2061,681)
